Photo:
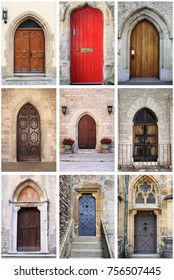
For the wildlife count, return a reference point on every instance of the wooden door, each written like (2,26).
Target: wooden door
(145,136)
(145,233)
(87,133)
(28,229)
(87,215)
(144,50)
(86,46)
(29,48)
(28,134)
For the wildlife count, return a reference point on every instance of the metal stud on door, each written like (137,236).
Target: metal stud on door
(86,46)
(87,215)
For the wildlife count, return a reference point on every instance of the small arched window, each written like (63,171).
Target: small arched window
(145,139)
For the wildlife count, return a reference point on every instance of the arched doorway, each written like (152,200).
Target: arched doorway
(87,133)
(87,215)
(28,134)
(144,50)
(145,139)
(29,48)
(86,46)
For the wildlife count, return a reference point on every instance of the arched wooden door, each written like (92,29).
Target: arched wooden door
(145,132)
(28,229)
(87,215)
(86,46)
(28,134)
(144,50)
(29,48)
(87,133)
(145,235)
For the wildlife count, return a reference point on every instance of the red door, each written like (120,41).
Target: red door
(87,133)
(86,46)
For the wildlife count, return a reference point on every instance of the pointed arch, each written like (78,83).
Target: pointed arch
(10,39)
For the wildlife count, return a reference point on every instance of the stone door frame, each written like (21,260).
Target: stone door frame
(125,34)
(95,190)
(74,124)
(49,37)
(42,206)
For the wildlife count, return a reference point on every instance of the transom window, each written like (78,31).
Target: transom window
(29,23)
(145,132)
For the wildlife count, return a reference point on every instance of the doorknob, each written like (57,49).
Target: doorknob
(77,50)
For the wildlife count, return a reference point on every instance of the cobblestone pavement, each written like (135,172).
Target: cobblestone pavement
(28,166)
(87,163)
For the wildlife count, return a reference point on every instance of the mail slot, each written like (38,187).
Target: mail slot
(86,50)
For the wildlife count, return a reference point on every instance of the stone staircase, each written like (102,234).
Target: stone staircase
(86,247)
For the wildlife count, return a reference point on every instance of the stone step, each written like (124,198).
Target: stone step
(86,253)
(86,239)
(145,256)
(86,245)
(87,151)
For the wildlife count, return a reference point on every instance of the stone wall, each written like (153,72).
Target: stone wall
(44,101)
(160,15)
(86,101)
(130,101)
(9,184)
(164,213)
(107,9)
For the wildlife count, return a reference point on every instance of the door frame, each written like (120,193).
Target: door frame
(124,35)
(42,206)
(95,191)
(49,42)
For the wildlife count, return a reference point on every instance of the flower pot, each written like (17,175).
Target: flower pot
(68,149)
(105,148)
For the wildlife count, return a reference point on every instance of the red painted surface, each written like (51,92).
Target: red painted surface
(86,33)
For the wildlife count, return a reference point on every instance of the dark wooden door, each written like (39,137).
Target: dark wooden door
(145,136)
(28,134)
(29,51)
(87,215)
(144,50)
(28,229)
(86,46)
(87,133)
(145,233)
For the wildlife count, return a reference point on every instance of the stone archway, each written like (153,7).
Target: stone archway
(144,200)
(124,35)
(48,41)
(75,121)
(28,194)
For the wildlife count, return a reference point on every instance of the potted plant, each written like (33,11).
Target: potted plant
(106,144)
(68,142)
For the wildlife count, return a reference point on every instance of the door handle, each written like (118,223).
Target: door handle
(77,49)
(132,53)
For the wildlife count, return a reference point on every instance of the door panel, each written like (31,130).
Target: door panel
(87,215)
(87,133)
(86,46)
(28,230)
(28,136)
(145,233)
(145,46)
(29,51)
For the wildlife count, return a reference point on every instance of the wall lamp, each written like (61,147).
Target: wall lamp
(110,109)
(64,108)
(5,14)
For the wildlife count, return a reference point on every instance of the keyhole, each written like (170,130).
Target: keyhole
(86,206)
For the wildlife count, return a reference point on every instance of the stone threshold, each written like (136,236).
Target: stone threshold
(28,255)
(145,256)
